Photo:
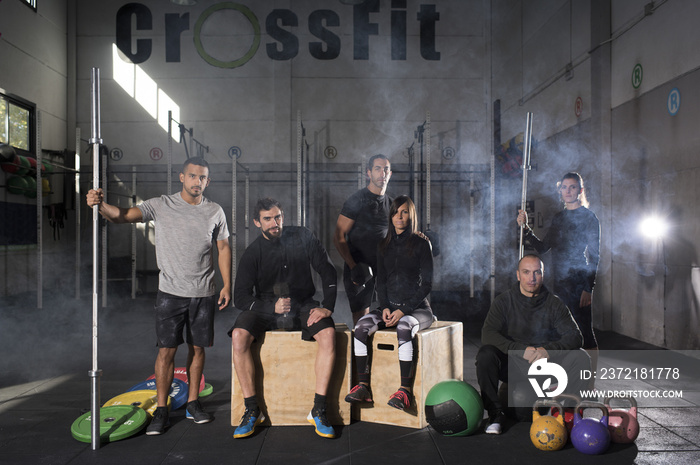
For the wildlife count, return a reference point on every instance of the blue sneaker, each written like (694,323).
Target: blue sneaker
(250,419)
(319,420)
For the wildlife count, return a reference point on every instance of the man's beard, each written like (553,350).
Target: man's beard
(271,237)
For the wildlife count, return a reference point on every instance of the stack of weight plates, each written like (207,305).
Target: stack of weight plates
(127,414)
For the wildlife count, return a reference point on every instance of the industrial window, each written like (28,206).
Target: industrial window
(17,123)
(31,4)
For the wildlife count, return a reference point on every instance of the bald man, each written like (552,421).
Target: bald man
(532,324)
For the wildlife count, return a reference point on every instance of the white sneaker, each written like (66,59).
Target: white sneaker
(495,423)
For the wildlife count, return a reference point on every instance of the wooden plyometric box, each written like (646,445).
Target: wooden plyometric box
(285,379)
(439,351)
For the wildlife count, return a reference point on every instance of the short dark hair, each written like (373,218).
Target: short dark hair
(199,161)
(265,204)
(370,162)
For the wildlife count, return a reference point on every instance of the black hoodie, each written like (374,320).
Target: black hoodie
(405,272)
(515,322)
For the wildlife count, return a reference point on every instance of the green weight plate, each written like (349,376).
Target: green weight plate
(116,422)
(208,389)
(146,399)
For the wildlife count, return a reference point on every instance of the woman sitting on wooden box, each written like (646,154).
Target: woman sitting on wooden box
(404,280)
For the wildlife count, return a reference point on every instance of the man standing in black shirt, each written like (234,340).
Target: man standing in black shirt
(274,289)
(362,223)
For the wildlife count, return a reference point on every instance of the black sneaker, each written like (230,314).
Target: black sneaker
(195,412)
(495,424)
(401,399)
(360,393)
(159,422)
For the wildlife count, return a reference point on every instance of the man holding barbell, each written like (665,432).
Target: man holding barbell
(188,227)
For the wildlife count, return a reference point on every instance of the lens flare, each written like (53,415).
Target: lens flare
(653,227)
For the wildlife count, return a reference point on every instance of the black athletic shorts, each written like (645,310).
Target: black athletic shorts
(256,323)
(193,314)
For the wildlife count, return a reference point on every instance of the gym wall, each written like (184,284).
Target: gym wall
(572,64)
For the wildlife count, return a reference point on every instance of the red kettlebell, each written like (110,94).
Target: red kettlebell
(547,432)
(623,424)
(568,411)
(590,435)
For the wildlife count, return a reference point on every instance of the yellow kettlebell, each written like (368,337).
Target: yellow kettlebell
(547,432)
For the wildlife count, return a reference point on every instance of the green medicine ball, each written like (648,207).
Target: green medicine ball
(454,408)
(31,187)
(17,184)
(24,166)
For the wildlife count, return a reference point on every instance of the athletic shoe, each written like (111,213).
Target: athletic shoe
(195,412)
(360,393)
(317,417)
(401,399)
(159,422)
(495,425)
(250,419)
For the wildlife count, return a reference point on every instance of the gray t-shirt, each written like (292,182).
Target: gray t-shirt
(185,239)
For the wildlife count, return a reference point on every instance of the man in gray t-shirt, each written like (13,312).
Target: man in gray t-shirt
(187,227)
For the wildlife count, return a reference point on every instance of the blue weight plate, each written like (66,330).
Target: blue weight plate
(178,391)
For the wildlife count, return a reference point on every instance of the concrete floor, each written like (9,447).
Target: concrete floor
(45,387)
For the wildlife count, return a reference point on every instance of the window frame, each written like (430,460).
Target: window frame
(31,108)
(30,3)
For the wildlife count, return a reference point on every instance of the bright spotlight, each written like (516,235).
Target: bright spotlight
(653,227)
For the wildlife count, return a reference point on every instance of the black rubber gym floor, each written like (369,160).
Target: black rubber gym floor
(45,387)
